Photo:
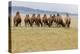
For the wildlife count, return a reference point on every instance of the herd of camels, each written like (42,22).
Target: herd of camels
(40,22)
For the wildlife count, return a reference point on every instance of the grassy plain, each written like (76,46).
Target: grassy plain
(28,39)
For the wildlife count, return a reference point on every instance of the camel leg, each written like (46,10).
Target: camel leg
(16,24)
(68,25)
(31,24)
(41,24)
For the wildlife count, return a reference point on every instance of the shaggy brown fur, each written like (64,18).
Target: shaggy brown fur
(17,19)
(50,20)
(27,20)
(45,20)
(68,21)
(32,20)
(38,21)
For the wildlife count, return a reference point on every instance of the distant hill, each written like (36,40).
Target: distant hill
(27,10)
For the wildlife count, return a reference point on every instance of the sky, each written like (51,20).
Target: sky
(70,8)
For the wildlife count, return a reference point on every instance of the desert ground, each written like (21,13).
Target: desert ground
(31,39)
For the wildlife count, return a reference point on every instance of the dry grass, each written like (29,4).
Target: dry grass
(27,39)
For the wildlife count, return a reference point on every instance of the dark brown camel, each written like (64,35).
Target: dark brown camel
(45,20)
(68,20)
(27,20)
(32,20)
(38,21)
(17,19)
(50,20)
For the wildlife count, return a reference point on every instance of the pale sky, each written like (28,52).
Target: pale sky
(48,6)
